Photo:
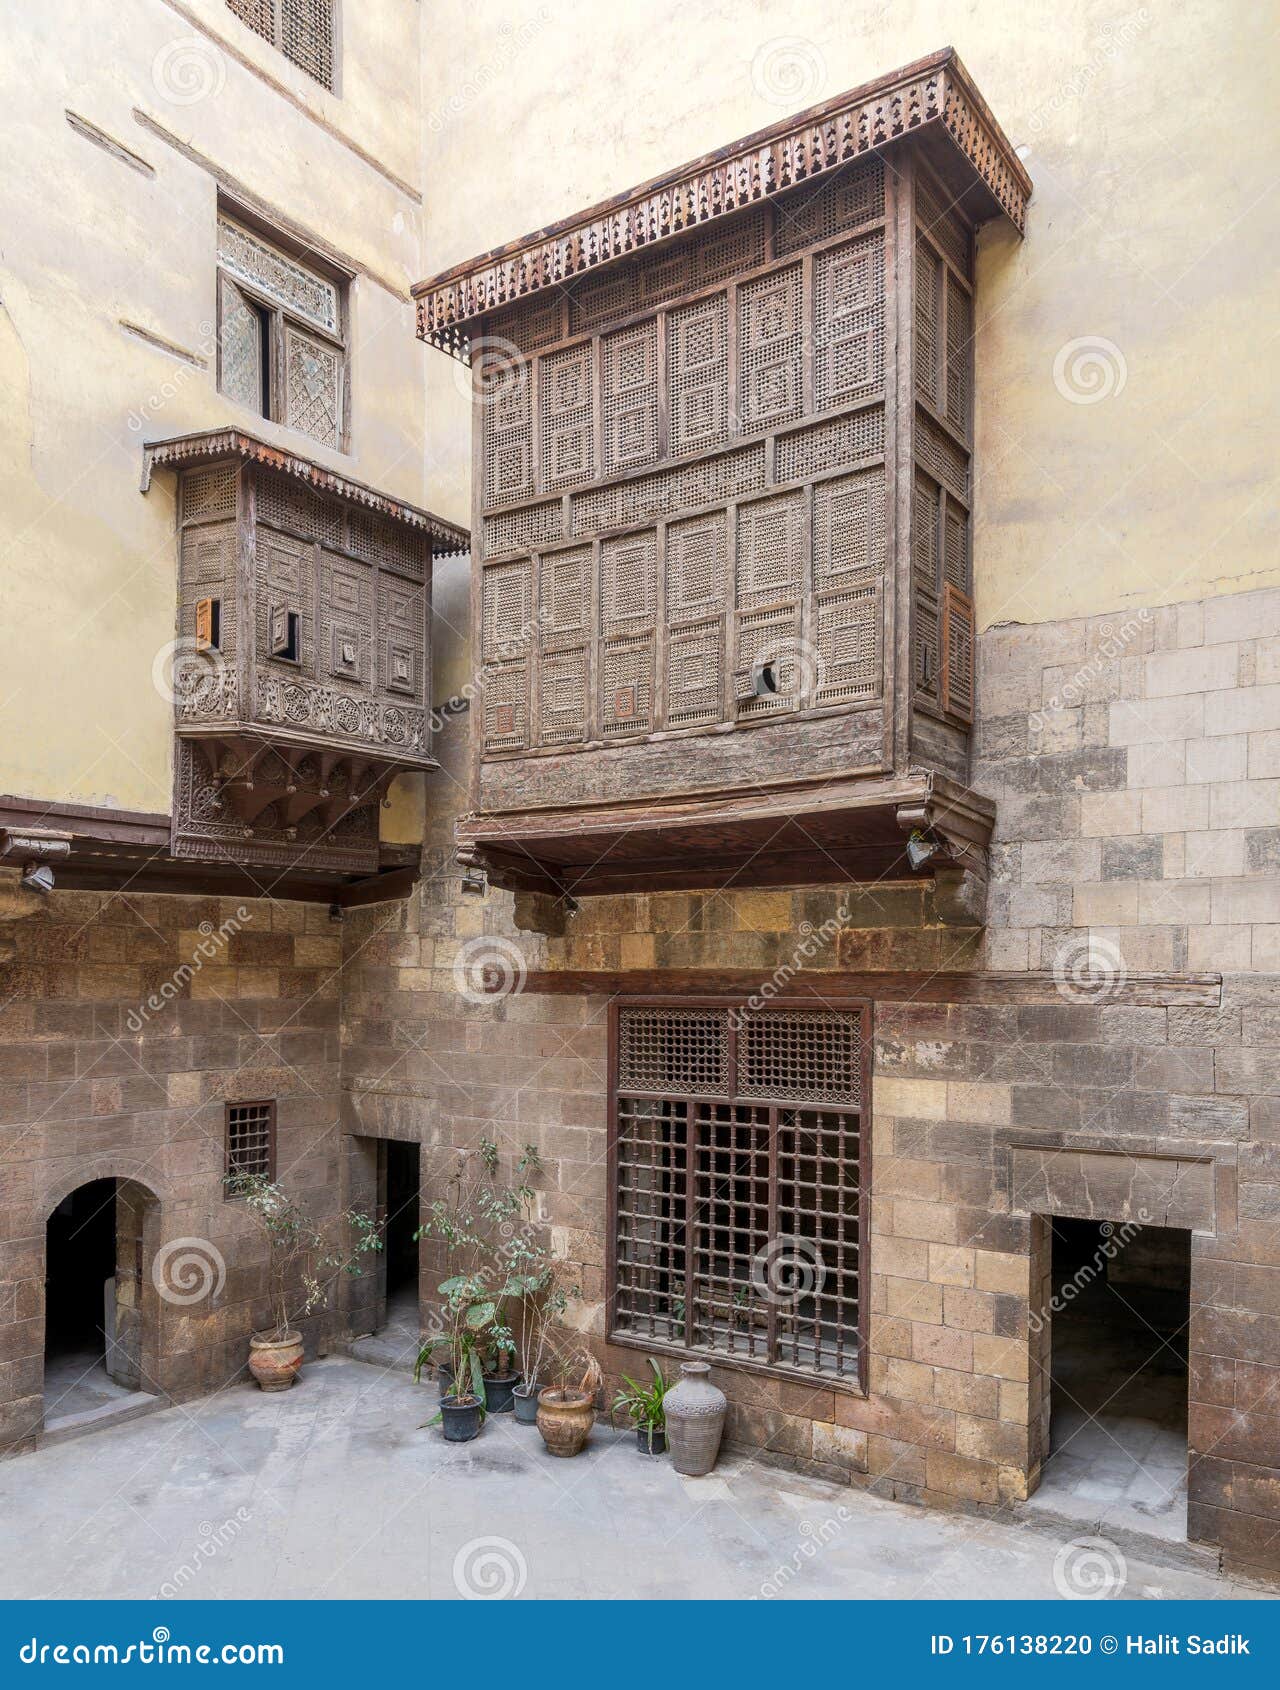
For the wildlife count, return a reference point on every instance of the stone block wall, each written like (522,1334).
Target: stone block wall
(125,1023)
(1133,829)
(1135,761)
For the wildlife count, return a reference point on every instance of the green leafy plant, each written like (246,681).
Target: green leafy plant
(474,1223)
(643,1403)
(303,1262)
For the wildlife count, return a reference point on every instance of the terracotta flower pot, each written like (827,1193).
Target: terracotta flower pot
(274,1362)
(565,1419)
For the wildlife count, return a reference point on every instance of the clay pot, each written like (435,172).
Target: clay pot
(274,1362)
(461,1421)
(565,1419)
(524,1400)
(695,1420)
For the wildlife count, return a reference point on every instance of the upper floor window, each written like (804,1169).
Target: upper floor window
(301,29)
(282,335)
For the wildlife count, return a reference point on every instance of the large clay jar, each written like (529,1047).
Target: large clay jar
(565,1419)
(695,1420)
(274,1362)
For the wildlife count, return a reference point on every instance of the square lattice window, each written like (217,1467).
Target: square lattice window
(739,1155)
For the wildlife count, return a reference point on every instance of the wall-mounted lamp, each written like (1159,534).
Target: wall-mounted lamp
(473,882)
(37,877)
(920,848)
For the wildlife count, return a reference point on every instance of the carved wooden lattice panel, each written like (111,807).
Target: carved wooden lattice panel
(708,415)
(267,269)
(772,340)
(240,347)
(313,386)
(698,375)
(739,1155)
(301,29)
(629,397)
(566,411)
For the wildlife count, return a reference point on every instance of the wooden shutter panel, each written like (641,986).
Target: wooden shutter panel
(957,653)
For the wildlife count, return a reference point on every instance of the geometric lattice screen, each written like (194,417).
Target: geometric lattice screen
(738,1146)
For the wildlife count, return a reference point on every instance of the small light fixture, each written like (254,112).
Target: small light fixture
(920,848)
(473,882)
(37,877)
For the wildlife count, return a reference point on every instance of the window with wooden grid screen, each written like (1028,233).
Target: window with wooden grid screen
(301,29)
(738,1144)
(281,334)
(251,1140)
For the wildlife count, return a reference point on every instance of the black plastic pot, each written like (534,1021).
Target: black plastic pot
(651,1444)
(524,1400)
(498,1390)
(460,1420)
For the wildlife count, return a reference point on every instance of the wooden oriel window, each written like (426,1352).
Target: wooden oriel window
(251,1140)
(738,1160)
(282,334)
(303,30)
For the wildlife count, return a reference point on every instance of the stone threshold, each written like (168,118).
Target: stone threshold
(1144,1546)
(63,1427)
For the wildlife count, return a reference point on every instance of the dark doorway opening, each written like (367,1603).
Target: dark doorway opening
(400,1242)
(92,1338)
(1120,1306)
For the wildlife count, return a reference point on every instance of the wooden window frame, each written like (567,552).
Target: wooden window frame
(854,1382)
(267,1103)
(279,320)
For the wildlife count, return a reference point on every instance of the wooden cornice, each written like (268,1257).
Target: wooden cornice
(211,445)
(934,95)
(1147,991)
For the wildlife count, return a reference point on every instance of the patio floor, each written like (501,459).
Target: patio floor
(333,1489)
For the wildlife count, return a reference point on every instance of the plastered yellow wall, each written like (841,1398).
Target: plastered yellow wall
(1125,371)
(94,250)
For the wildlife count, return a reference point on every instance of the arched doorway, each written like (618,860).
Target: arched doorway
(98,1320)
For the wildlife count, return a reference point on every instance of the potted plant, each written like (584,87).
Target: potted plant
(545,1297)
(567,1409)
(644,1408)
(462,1404)
(469,1222)
(302,1265)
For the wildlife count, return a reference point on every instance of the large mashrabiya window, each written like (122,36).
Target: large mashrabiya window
(738,1148)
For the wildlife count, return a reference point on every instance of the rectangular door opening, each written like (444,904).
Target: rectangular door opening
(1118,1312)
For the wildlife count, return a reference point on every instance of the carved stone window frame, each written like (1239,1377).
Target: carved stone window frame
(287,326)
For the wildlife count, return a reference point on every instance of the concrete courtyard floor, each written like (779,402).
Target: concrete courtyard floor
(333,1489)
